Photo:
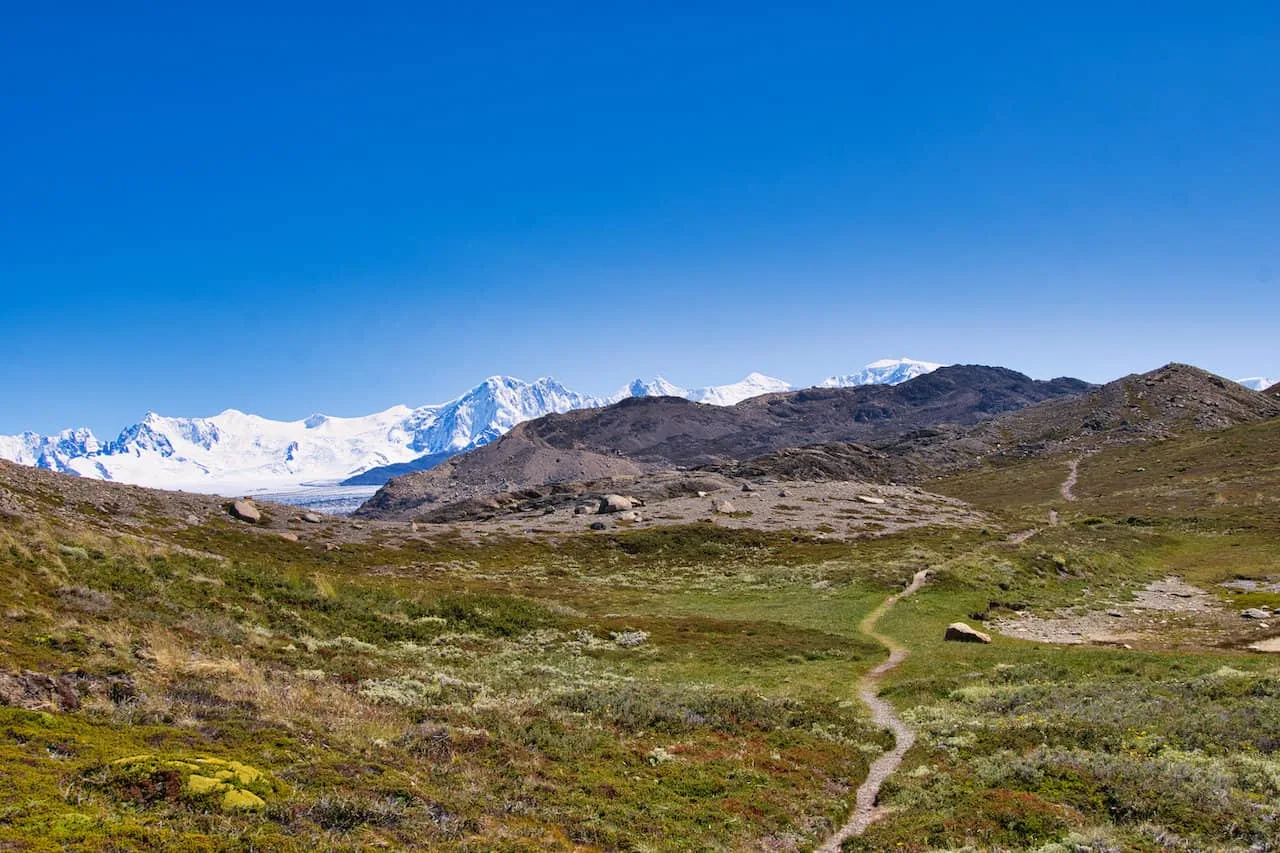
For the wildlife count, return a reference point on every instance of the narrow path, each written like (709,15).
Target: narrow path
(1067,489)
(883,714)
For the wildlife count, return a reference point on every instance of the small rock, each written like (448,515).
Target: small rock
(597,525)
(784,494)
(413,526)
(1255,613)
(747,487)
(193,519)
(868,499)
(630,515)
(292,537)
(702,494)
(357,525)
(958,632)
(246,511)
(723,508)
(1116,613)
(312,518)
(329,546)
(614,503)
(584,509)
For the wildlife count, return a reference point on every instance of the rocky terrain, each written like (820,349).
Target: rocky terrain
(644,435)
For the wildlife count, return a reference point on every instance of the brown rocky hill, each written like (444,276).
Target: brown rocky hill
(642,435)
(1173,400)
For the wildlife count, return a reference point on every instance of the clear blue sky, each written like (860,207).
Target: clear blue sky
(338,207)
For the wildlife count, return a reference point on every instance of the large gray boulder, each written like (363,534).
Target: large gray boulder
(246,511)
(958,632)
(614,503)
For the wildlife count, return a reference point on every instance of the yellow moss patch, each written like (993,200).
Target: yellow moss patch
(198,784)
(238,798)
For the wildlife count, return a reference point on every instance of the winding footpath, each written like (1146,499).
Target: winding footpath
(883,714)
(1067,489)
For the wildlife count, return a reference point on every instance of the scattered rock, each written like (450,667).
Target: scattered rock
(597,525)
(413,526)
(958,632)
(723,508)
(868,499)
(584,509)
(312,518)
(246,511)
(784,494)
(614,503)
(1255,613)
(329,546)
(747,487)
(193,519)
(630,515)
(291,537)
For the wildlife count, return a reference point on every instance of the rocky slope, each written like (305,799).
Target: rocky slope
(1173,400)
(642,435)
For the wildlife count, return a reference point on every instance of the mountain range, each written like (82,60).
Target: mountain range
(949,419)
(234,451)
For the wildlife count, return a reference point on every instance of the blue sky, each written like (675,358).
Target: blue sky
(294,208)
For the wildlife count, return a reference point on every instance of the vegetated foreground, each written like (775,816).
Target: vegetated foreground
(175,678)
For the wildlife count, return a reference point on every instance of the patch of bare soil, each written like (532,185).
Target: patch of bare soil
(1165,614)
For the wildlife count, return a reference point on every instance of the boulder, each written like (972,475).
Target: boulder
(312,518)
(246,511)
(614,503)
(292,537)
(1255,613)
(193,519)
(597,525)
(724,507)
(958,632)
(630,515)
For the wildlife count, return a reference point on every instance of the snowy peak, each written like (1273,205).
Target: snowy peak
(753,385)
(655,387)
(886,371)
(1257,383)
(54,452)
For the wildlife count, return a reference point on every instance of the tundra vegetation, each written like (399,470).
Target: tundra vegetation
(214,686)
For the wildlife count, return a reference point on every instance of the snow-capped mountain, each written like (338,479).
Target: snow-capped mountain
(234,452)
(1257,383)
(886,371)
(753,385)
(655,387)
(54,452)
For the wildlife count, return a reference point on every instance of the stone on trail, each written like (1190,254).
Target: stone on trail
(958,632)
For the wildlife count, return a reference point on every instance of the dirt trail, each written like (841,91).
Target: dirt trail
(883,714)
(1068,485)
